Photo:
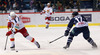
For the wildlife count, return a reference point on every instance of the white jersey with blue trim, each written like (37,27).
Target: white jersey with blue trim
(80,21)
(15,23)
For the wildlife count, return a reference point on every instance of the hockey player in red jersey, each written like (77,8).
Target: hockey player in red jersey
(48,12)
(15,25)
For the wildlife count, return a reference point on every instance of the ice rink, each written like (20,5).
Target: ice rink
(79,46)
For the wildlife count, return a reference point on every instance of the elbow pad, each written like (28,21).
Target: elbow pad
(9,25)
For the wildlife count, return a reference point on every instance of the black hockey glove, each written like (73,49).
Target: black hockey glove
(66,33)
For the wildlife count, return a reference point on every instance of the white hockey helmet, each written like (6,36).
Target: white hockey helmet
(12,14)
(48,3)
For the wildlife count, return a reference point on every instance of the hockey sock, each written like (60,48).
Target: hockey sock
(91,42)
(47,26)
(47,23)
(31,39)
(12,39)
(70,39)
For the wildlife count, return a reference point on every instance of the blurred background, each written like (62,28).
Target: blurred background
(22,6)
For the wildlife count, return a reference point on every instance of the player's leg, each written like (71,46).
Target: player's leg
(47,22)
(12,39)
(73,33)
(33,40)
(86,35)
(24,32)
(70,39)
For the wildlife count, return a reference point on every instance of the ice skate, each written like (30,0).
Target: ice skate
(37,44)
(12,47)
(47,27)
(94,46)
(65,47)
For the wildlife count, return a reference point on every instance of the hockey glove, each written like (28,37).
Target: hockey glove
(40,13)
(50,13)
(15,29)
(66,33)
(8,33)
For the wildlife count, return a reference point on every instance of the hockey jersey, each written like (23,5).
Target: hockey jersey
(15,23)
(79,21)
(47,11)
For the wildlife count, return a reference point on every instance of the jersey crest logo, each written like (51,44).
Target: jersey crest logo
(48,11)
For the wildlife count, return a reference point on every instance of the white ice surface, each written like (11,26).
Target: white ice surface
(79,46)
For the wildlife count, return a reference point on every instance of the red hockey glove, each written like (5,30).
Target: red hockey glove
(40,13)
(66,33)
(50,13)
(8,33)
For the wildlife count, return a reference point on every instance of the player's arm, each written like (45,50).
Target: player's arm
(43,11)
(70,25)
(16,27)
(84,18)
(51,11)
(9,23)
(9,26)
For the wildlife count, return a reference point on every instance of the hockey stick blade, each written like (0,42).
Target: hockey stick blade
(56,39)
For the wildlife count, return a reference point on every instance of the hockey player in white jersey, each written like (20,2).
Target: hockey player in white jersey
(81,26)
(48,12)
(15,25)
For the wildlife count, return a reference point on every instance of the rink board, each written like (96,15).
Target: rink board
(59,19)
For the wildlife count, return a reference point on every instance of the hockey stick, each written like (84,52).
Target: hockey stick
(56,39)
(6,43)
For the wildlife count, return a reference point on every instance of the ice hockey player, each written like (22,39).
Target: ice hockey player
(15,25)
(81,26)
(48,12)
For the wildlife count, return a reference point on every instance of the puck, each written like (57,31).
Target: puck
(49,42)
(16,51)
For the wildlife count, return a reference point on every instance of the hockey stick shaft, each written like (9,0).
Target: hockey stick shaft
(56,39)
(6,43)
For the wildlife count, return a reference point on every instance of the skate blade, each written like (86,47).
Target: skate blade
(12,49)
(94,47)
(38,45)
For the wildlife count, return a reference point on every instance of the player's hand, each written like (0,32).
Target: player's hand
(15,29)
(8,33)
(66,33)
(40,13)
(50,13)
(53,12)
